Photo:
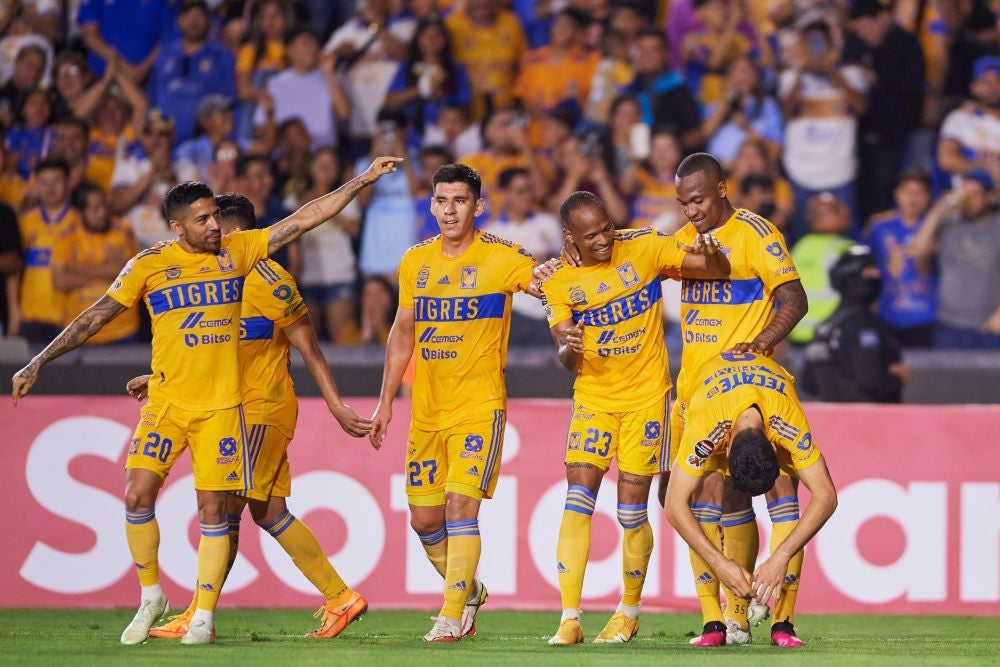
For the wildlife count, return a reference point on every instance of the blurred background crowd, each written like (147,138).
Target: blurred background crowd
(841,121)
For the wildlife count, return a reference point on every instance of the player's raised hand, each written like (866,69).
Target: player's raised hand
(383,165)
(573,337)
(768,577)
(380,425)
(23,380)
(735,578)
(570,253)
(542,272)
(349,420)
(704,244)
(138,387)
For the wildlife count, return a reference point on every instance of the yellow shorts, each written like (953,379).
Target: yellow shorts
(267,449)
(216,440)
(463,459)
(639,440)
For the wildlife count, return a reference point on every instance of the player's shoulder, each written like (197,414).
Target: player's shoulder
(626,235)
(503,245)
(270,273)
(754,224)
(152,259)
(419,251)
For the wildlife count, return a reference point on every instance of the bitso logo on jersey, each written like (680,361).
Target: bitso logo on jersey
(225,260)
(191,340)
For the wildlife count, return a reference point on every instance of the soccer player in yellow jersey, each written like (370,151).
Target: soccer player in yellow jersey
(192,288)
(607,321)
(750,312)
(454,314)
(745,420)
(272,317)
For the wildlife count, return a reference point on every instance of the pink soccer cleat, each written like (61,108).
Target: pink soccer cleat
(714,634)
(783,635)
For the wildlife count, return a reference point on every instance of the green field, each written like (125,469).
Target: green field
(387,638)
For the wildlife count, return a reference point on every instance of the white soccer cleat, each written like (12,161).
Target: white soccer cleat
(445,630)
(150,611)
(200,632)
(472,605)
(735,634)
(757,613)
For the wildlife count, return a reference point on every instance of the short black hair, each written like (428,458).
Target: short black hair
(579,17)
(183,195)
(297,31)
(82,191)
(819,26)
(650,31)
(915,175)
(83,125)
(701,162)
(578,200)
(51,163)
(457,172)
(752,462)
(756,181)
(394,114)
(238,208)
(509,174)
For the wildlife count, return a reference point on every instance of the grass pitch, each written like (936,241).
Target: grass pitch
(252,637)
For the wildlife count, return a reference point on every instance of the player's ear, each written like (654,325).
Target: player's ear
(480,206)
(723,192)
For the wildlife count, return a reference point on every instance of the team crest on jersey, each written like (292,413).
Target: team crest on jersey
(225,260)
(577,296)
(173,272)
(423,275)
(469,277)
(574,442)
(628,275)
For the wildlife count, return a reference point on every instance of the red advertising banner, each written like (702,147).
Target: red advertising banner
(917,529)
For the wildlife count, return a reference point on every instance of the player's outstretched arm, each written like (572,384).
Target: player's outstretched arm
(768,576)
(679,491)
(705,259)
(569,343)
(398,350)
(302,336)
(86,324)
(321,209)
(792,307)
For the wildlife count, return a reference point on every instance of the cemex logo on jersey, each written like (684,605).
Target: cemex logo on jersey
(608,337)
(196,320)
(692,319)
(430,336)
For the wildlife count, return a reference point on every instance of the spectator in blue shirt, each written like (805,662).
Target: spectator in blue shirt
(907,303)
(189,69)
(132,30)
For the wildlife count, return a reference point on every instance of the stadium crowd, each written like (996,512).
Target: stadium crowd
(839,121)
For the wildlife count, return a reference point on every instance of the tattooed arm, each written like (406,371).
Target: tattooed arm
(319,210)
(792,307)
(86,324)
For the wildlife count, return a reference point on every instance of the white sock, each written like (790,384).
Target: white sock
(631,612)
(201,615)
(570,613)
(151,592)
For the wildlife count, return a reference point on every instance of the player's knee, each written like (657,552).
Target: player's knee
(140,494)
(425,525)
(265,513)
(212,507)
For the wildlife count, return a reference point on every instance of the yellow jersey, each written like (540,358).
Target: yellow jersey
(40,234)
(271,302)
(462,311)
(625,359)
(86,248)
(194,302)
(545,81)
(717,314)
(489,167)
(490,55)
(727,385)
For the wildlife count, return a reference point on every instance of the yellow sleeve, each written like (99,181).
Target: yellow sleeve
(557,306)
(702,437)
(792,433)
(668,252)
(279,301)
(130,284)
(406,278)
(248,247)
(771,260)
(519,268)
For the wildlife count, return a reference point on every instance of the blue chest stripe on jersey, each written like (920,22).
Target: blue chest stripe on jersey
(38,257)
(623,308)
(459,308)
(706,292)
(256,328)
(199,294)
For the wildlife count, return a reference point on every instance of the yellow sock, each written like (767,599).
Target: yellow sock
(234,545)
(213,552)
(705,581)
(436,547)
(636,549)
(300,543)
(784,517)
(464,547)
(573,547)
(740,542)
(142,533)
